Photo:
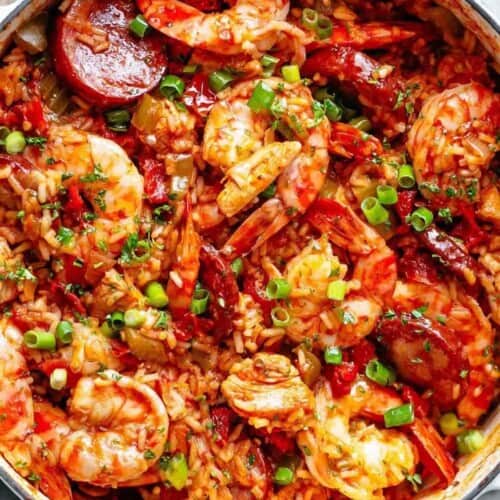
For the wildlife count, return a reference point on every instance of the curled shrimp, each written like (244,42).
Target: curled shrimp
(242,144)
(452,143)
(247,27)
(350,456)
(122,428)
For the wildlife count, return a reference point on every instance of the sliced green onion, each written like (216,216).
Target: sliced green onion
(421,219)
(380,373)
(134,318)
(191,69)
(219,80)
(172,86)
(400,415)
(406,176)
(470,441)
(387,195)
(106,329)
(269,192)
(332,110)
(39,339)
(262,97)
(64,332)
(237,266)
(291,73)
(156,295)
(283,476)
(309,19)
(374,212)
(322,93)
(278,288)
(116,320)
(139,26)
(200,301)
(324,28)
(15,143)
(58,379)
(118,120)
(336,290)
(4,132)
(269,64)
(175,470)
(280,317)
(450,425)
(333,355)
(361,123)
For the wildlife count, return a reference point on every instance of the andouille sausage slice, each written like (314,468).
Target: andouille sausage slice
(426,354)
(100,59)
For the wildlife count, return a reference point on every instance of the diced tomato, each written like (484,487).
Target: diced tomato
(49,365)
(362,353)
(205,5)
(252,285)
(74,203)
(421,406)
(64,298)
(122,352)
(190,325)
(198,96)
(404,205)
(222,418)
(341,378)
(33,113)
(74,273)
(281,442)
(171,493)
(155,180)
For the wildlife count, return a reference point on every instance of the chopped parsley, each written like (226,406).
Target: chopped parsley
(64,236)
(96,175)
(135,250)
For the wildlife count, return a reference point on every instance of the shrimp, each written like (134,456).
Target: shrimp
(184,272)
(241,143)
(20,442)
(122,428)
(452,143)
(107,178)
(268,390)
(349,455)
(248,27)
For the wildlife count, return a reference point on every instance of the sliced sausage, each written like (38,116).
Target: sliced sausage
(426,354)
(99,58)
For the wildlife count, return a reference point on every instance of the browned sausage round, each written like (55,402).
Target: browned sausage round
(99,58)
(426,354)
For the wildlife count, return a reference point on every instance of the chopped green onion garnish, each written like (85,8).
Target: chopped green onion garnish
(400,415)
(219,80)
(269,64)
(336,290)
(278,288)
(15,143)
(333,355)
(172,86)
(324,28)
(283,476)
(374,212)
(237,266)
(291,73)
(361,123)
(450,425)
(117,116)
(175,470)
(309,19)
(406,176)
(262,97)
(470,441)
(280,317)
(139,26)
(269,192)
(387,195)
(64,332)
(421,219)
(134,318)
(58,379)
(380,373)
(191,69)
(116,320)
(39,339)
(156,295)
(106,329)
(200,301)
(332,110)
